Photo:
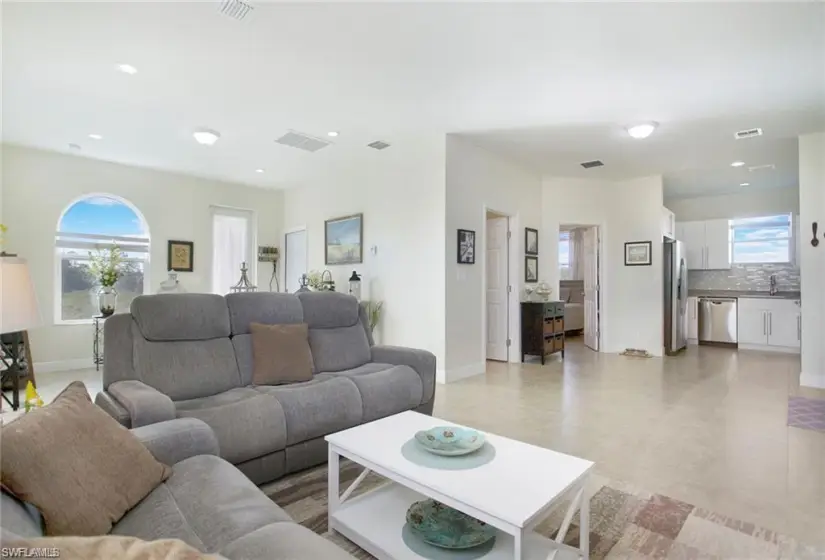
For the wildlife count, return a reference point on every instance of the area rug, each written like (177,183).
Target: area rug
(626,522)
(806,413)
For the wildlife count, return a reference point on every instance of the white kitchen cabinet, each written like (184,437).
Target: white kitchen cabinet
(784,327)
(770,324)
(752,322)
(707,244)
(693,318)
(668,223)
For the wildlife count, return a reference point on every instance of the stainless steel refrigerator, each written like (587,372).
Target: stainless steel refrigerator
(675,294)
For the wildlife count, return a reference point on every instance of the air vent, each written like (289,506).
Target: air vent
(765,167)
(378,145)
(302,141)
(592,164)
(742,134)
(236,9)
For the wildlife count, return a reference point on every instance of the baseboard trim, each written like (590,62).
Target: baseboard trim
(63,365)
(812,380)
(765,348)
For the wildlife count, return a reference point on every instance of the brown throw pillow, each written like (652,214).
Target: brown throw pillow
(280,354)
(77,465)
(114,548)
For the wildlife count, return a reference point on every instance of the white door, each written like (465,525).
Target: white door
(295,261)
(496,264)
(233,243)
(693,236)
(717,244)
(784,328)
(752,322)
(591,288)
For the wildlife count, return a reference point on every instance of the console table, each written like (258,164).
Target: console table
(542,328)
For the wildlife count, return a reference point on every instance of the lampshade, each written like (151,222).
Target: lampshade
(18,304)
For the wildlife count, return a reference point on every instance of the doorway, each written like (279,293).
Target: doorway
(295,259)
(497,286)
(580,286)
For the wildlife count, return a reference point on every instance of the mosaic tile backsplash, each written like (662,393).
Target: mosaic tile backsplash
(752,277)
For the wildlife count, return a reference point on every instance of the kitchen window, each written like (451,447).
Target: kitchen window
(766,239)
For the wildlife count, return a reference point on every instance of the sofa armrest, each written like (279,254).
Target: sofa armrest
(144,404)
(175,440)
(422,361)
(113,408)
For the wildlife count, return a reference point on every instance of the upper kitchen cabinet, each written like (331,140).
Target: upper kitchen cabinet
(668,223)
(707,244)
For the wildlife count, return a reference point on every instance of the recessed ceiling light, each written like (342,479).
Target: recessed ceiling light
(744,184)
(96,137)
(737,164)
(259,171)
(642,130)
(206,136)
(332,133)
(127,68)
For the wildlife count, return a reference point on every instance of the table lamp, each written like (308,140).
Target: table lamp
(18,312)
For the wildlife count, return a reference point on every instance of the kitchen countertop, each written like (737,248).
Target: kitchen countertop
(743,294)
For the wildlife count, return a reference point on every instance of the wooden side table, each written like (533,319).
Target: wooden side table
(542,328)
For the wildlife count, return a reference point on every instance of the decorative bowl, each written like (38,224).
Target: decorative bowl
(445,527)
(450,440)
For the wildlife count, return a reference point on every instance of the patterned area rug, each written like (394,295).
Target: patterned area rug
(626,522)
(806,413)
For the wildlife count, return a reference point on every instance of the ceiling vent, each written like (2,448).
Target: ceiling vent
(742,134)
(592,164)
(765,167)
(302,141)
(236,9)
(378,145)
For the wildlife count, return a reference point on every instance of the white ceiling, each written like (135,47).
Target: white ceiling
(554,82)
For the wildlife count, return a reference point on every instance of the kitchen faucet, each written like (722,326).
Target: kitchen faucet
(773,285)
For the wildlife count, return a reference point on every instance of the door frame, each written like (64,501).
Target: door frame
(600,233)
(513,279)
(295,229)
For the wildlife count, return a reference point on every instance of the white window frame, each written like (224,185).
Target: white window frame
(792,257)
(563,266)
(252,242)
(91,242)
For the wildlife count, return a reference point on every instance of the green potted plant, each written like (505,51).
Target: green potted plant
(107,267)
(373,309)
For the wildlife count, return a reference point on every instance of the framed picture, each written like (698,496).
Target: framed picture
(638,253)
(343,240)
(466,246)
(531,269)
(531,241)
(180,256)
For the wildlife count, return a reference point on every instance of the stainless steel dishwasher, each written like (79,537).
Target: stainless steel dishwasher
(717,320)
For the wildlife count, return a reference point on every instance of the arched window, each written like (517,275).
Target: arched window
(91,223)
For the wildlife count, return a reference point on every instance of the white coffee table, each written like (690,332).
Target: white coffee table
(514,492)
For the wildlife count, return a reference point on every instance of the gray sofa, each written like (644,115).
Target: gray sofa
(190,356)
(207,503)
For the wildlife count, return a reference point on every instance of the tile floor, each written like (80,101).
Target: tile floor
(709,427)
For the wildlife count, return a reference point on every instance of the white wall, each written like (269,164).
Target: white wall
(746,204)
(37,187)
(632,296)
(400,191)
(478,180)
(812,265)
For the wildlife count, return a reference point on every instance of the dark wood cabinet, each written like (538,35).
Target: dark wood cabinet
(542,328)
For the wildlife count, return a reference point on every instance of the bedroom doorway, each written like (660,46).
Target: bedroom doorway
(579,285)
(497,286)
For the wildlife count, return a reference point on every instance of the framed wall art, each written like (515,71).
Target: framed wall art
(531,269)
(466,246)
(344,240)
(638,253)
(180,256)
(531,241)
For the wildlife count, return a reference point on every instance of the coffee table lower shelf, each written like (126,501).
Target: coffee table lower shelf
(375,521)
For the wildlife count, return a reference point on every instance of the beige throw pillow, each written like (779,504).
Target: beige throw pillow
(77,465)
(114,548)
(280,354)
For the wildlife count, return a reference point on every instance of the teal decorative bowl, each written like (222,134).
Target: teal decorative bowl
(445,527)
(450,440)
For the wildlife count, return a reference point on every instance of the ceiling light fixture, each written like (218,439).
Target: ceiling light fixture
(643,130)
(127,68)
(96,137)
(206,136)
(744,184)
(259,171)
(737,164)
(332,133)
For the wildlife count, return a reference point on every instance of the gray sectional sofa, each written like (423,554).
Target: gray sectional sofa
(190,356)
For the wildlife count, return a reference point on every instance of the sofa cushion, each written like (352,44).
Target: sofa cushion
(187,369)
(247,423)
(206,503)
(283,541)
(385,390)
(336,349)
(102,471)
(325,310)
(317,408)
(181,316)
(280,354)
(263,307)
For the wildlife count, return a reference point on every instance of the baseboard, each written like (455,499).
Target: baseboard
(63,365)
(463,372)
(765,348)
(812,380)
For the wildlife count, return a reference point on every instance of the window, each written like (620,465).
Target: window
(233,242)
(564,255)
(766,239)
(97,222)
